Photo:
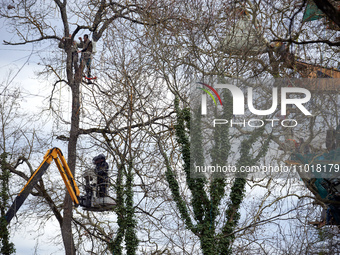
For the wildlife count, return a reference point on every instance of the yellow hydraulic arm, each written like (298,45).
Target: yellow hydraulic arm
(72,188)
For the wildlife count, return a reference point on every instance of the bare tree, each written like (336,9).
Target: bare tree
(38,19)
(152,53)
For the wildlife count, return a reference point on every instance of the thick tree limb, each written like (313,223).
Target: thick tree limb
(31,41)
(117,131)
(310,42)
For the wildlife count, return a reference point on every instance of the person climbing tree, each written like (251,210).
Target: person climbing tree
(86,53)
(102,174)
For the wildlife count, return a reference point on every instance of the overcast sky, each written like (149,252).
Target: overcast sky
(18,65)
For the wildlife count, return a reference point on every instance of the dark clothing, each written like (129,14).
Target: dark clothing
(87,47)
(86,55)
(101,171)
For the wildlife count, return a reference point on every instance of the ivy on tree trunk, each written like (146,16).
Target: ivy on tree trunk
(7,247)
(125,212)
(207,195)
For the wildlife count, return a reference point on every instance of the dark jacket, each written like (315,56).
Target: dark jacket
(87,48)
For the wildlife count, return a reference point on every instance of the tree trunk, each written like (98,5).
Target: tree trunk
(71,158)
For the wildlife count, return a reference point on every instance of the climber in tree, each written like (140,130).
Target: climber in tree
(65,42)
(86,53)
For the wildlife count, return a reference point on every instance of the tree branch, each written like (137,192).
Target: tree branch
(309,42)
(117,131)
(32,41)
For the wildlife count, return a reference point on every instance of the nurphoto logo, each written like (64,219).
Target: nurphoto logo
(239,104)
